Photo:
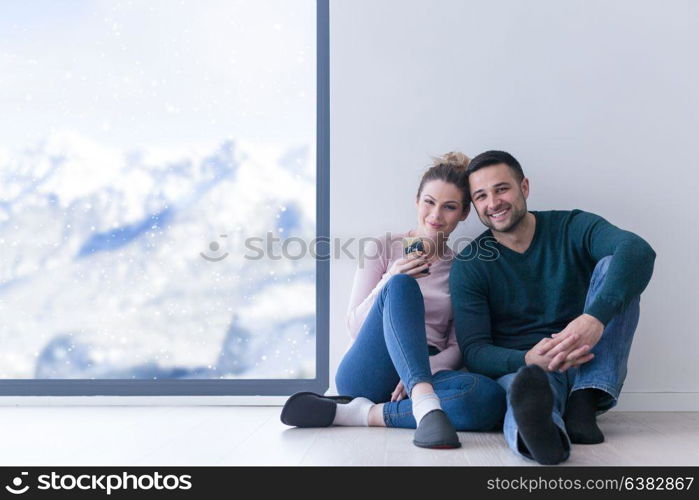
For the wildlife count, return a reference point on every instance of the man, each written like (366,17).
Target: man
(546,303)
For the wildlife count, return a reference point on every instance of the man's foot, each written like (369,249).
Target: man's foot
(581,416)
(532,403)
(307,409)
(436,431)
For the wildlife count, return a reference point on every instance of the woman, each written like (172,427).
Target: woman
(400,319)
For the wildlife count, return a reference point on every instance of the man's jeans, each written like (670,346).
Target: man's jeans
(391,346)
(606,371)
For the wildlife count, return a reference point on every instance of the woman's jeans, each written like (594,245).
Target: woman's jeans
(606,371)
(391,346)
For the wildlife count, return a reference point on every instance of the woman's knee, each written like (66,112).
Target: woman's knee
(401,278)
(404,290)
(479,405)
(402,281)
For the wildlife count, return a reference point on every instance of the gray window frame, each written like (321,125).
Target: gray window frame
(246,387)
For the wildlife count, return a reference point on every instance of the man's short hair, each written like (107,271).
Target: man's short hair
(490,158)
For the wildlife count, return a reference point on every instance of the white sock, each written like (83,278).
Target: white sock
(353,414)
(424,404)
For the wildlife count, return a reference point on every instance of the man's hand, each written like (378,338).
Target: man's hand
(572,345)
(545,361)
(532,357)
(399,392)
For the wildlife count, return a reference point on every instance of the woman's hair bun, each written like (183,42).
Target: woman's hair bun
(451,168)
(452,158)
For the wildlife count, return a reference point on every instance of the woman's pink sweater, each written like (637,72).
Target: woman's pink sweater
(379,255)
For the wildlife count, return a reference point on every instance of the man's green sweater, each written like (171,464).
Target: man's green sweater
(505,302)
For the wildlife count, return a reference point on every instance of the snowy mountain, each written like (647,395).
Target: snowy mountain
(103,271)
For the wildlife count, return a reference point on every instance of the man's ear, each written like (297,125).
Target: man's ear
(524,186)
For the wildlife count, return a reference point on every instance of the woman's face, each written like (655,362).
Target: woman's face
(440,208)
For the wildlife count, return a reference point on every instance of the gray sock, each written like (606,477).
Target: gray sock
(353,414)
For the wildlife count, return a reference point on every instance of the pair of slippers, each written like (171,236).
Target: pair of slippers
(307,409)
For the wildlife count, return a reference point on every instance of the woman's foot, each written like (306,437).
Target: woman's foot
(436,431)
(307,409)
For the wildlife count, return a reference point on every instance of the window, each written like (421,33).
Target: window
(163,172)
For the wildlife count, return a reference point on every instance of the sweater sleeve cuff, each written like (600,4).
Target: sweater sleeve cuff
(603,309)
(516,361)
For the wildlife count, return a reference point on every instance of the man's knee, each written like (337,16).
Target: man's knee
(600,271)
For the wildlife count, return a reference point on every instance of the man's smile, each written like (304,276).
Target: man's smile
(499,215)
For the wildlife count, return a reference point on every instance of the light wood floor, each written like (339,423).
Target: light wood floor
(170,436)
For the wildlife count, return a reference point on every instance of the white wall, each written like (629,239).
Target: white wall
(599,101)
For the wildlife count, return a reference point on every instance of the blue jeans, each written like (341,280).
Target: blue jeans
(606,371)
(392,346)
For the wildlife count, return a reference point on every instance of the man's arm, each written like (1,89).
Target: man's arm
(628,275)
(629,271)
(472,323)
(369,279)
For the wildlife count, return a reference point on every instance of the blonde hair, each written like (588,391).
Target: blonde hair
(453,158)
(450,167)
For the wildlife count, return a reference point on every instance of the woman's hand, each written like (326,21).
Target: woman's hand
(412,265)
(399,392)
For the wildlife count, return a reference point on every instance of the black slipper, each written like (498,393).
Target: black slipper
(436,431)
(307,409)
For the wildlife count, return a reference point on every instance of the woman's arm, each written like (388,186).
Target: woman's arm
(369,278)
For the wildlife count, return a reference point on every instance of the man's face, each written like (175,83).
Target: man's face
(500,200)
